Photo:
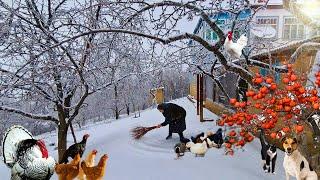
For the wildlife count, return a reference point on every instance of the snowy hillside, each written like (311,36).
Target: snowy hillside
(152,158)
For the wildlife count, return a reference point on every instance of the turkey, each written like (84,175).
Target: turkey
(27,157)
(73,150)
(235,49)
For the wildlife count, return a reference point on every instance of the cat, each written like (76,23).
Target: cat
(268,154)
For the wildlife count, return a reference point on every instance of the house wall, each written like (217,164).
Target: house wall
(279,13)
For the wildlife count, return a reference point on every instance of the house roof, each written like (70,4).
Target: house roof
(223,16)
(262,2)
(286,47)
(254,2)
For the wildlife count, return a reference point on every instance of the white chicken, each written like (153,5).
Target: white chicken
(27,157)
(235,49)
(199,149)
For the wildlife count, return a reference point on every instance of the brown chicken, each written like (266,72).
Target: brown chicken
(69,171)
(90,163)
(97,172)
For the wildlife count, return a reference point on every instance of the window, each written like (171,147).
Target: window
(214,36)
(220,22)
(210,35)
(293,29)
(267,21)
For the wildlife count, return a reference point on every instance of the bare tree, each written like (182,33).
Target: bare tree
(62,78)
(159,21)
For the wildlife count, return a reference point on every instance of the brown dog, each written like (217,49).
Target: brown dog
(294,163)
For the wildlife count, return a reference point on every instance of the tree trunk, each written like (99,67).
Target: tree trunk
(73,134)
(134,110)
(62,139)
(128,109)
(116,102)
(117,112)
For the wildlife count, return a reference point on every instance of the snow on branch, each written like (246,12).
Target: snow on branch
(40,90)
(190,6)
(162,40)
(29,115)
(280,69)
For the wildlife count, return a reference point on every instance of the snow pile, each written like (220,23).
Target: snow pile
(152,157)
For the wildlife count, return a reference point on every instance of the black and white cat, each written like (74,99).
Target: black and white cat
(268,154)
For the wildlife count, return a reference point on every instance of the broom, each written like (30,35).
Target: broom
(140,131)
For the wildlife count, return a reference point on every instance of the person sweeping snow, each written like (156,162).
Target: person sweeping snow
(175,117)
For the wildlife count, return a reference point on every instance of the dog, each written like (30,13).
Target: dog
(180,149)
(294,163)
(268,154)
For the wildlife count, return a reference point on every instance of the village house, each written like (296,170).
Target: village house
(273,28)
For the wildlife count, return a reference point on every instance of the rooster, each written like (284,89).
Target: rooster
(68,171)
(27,157)
(89,162)
(97,172)
(74,149)
(235,49)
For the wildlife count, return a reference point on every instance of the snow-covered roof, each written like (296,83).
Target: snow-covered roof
(262,2)
(288,46)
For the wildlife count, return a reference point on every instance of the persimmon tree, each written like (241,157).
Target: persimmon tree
(277,109)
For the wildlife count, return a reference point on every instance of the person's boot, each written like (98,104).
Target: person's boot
(183,139)
(169,136)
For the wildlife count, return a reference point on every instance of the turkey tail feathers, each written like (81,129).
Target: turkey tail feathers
(10,142)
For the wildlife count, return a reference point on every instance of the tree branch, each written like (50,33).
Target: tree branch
(280,69)
(311,46)
(29,115)
(216,81)
(190,6)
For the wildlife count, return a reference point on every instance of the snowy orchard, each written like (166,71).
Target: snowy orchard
(279,111)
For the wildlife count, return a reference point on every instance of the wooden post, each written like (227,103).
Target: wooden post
(201,98)
(198,94)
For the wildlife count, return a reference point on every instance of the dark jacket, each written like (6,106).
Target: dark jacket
(175,116)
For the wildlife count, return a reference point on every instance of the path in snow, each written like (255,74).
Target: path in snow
(152,157)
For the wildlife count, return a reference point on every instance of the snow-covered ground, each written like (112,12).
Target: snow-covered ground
(152,157)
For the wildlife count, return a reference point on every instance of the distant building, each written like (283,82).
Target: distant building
(277,24)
